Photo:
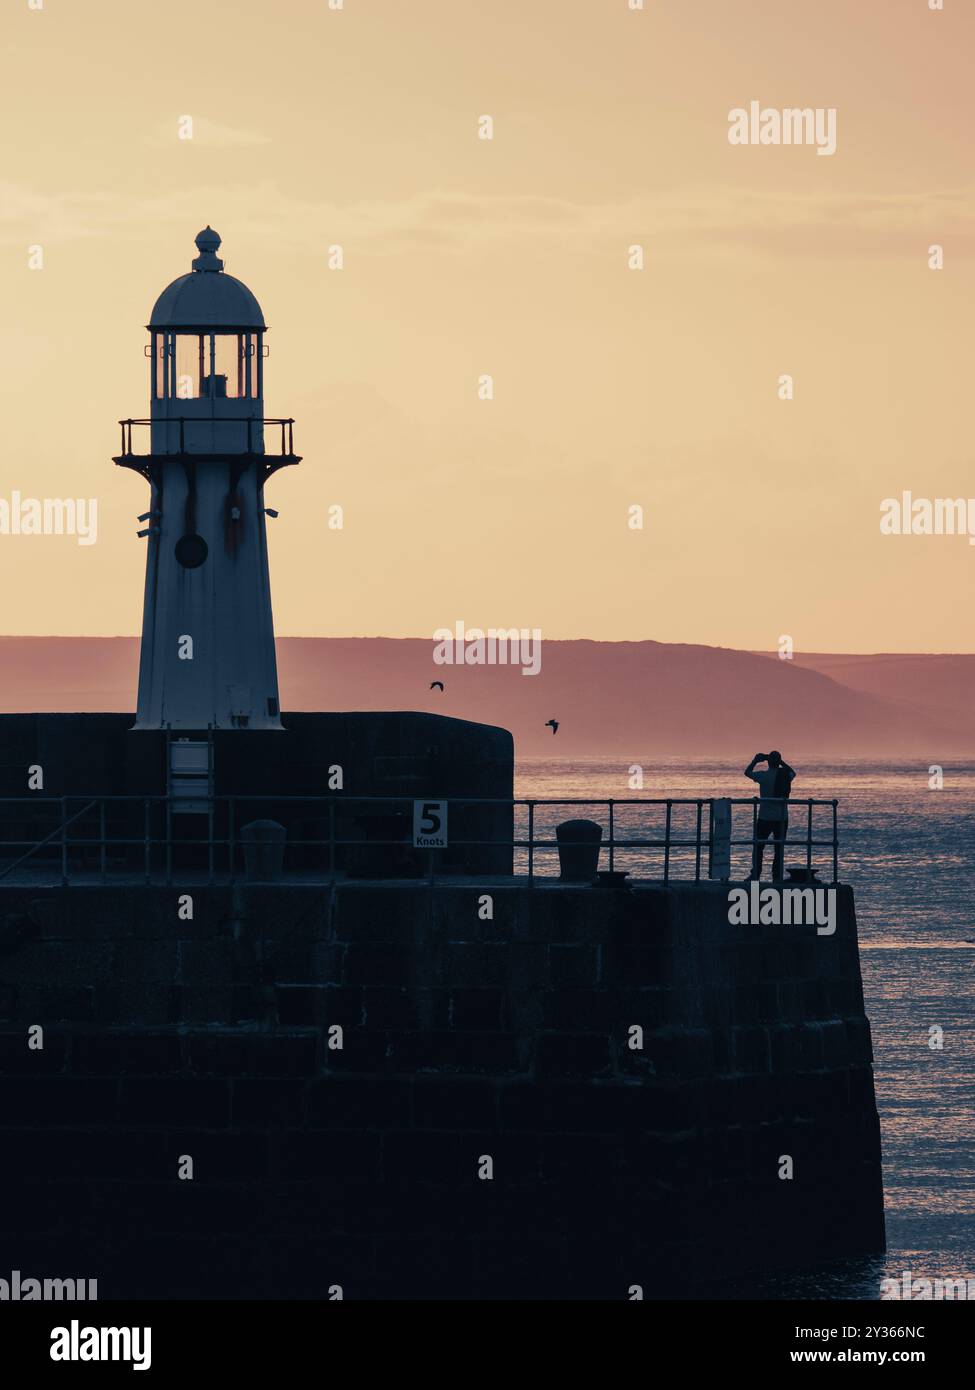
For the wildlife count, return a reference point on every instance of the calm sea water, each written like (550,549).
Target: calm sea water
(909,852)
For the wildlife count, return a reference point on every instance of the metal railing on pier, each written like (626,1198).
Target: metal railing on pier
(89,839)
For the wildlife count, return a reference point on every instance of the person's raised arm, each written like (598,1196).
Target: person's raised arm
(750,769)
(789,771)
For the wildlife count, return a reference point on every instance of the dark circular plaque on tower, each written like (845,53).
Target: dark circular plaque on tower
(191,551)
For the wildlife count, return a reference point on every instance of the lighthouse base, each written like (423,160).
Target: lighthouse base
(342,785)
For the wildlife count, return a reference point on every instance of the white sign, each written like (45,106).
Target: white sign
(430,824)
(720,838)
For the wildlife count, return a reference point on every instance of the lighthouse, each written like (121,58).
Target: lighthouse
(207,660)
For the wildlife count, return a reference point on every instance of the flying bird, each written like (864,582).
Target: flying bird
(436,685)
(552,724)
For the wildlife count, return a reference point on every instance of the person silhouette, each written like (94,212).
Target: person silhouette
(775,784)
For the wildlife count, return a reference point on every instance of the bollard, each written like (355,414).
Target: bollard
(579,845)
(263,842)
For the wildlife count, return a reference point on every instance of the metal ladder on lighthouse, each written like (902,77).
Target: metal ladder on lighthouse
(189,774)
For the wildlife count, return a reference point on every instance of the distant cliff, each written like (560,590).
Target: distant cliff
(629,698)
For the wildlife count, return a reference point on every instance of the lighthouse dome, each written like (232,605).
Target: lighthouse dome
(207,297)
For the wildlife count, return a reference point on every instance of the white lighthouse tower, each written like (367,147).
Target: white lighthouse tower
(207,659)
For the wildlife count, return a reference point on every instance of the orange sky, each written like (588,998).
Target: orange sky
(508,257)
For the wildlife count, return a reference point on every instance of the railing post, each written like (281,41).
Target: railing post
(670,808)
(836,847)
(809,840)
(731,814)
(64,841)
(231,824)
(531,844)
(751,867)
(611,835)
(697,853)
(331,842)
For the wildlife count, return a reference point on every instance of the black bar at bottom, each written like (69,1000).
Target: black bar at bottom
(257,1338)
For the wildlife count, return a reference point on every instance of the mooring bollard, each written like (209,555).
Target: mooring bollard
(263,842)
(579,845)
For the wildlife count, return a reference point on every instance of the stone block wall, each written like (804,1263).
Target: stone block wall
(482,1029)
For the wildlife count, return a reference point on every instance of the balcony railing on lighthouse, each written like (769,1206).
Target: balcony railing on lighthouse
(245,439)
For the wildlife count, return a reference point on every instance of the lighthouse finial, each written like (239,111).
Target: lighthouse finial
(207,243)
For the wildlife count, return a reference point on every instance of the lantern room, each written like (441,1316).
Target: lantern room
(207,335)
(190,365)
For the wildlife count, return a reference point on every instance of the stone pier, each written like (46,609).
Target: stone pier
(474,1089)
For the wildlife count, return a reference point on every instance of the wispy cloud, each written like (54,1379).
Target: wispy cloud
(688,221)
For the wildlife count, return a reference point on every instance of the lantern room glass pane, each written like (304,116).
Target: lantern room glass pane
(189,365)
(252,373)
(224,379)
(158,368)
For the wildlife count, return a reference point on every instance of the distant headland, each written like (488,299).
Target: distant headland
(609,697)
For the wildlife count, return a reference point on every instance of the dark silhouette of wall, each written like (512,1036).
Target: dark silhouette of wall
(463,1037)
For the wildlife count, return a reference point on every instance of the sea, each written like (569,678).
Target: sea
(906,843)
